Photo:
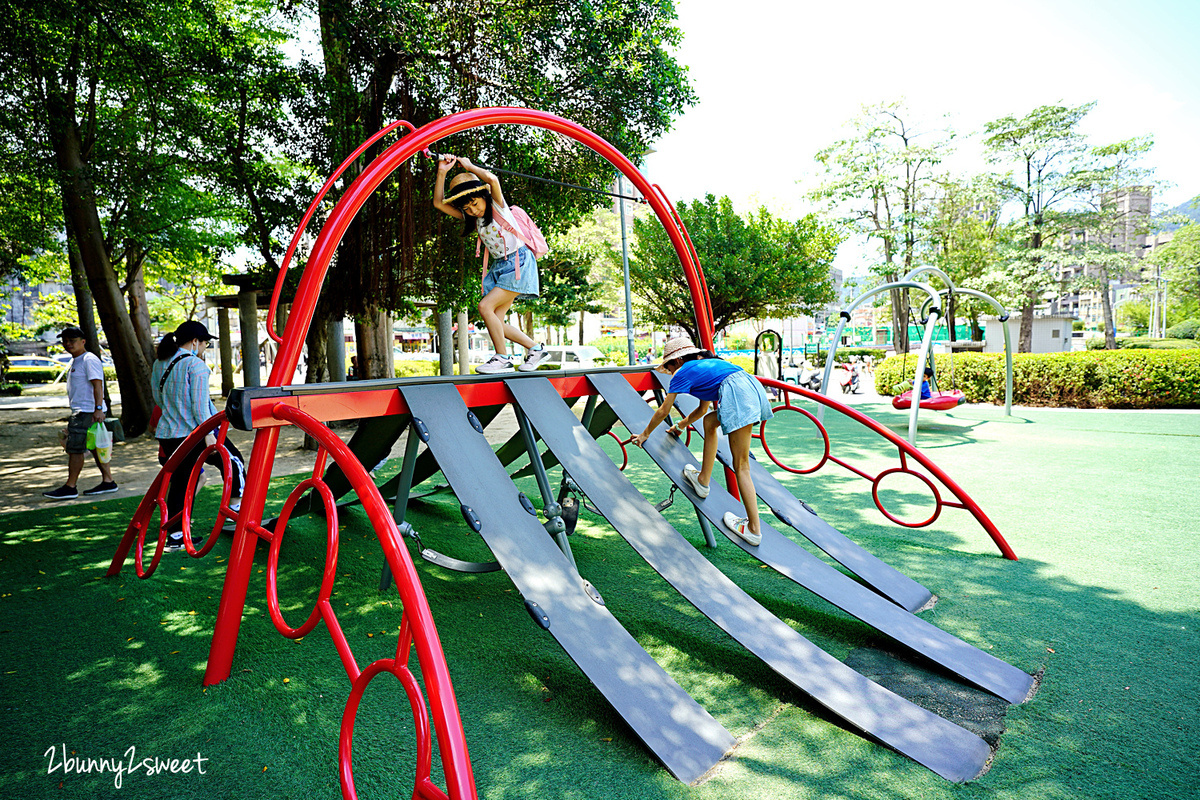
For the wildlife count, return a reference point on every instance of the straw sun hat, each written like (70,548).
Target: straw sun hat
(678,348)
(463,186)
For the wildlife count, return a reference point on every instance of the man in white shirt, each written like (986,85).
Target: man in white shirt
(85,392)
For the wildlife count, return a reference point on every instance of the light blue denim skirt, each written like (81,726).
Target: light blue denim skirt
(502,273)
(741,402)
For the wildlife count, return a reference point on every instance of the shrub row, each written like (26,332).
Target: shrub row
(47,374)
(1184,330)
(1091,379)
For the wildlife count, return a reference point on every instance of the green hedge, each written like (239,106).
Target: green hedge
(33,374)
(1104,378)
(1184,330)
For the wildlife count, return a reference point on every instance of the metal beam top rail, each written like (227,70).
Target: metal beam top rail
(250,408)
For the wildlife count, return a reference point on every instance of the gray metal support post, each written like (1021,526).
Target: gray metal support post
(403,489)
(709,539)
(335,350)
(555,525)
(625,270)
(445,343)
(463,334)
(248,322)
(223,331)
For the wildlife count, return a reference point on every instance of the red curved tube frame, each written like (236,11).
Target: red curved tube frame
(273,308)
(155,499)
(417,627)
(397,154)
(906,451)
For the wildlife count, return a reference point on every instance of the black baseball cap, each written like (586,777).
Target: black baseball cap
(71,332)
(192,330)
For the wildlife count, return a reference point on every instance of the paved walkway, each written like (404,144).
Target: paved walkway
(32,460)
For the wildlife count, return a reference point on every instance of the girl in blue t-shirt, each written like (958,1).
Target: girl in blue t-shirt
(741,404)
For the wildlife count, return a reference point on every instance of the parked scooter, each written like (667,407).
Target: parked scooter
(849,379)
(809,376)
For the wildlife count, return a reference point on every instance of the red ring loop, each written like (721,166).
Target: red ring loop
(762,437)
(331,551)
(420,722)
(937,497)
(624,452)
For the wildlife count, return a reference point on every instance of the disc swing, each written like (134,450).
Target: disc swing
(937,400)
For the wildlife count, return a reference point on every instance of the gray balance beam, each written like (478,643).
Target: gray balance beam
(950,751)
(673,726)
(671,455)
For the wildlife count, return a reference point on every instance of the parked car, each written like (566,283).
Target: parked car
(573,356)
(36,362)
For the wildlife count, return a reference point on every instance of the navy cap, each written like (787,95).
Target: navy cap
(71,332)
(192,330)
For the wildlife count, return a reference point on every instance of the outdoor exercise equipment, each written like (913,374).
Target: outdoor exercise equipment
(448,416)
(930,313)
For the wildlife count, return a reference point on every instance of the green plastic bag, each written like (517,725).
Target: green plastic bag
(99,438)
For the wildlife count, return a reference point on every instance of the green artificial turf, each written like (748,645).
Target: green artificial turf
(1099,505)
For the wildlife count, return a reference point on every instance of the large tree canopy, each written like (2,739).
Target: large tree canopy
(755,267)
(606,65)
(879,178)
(122,106)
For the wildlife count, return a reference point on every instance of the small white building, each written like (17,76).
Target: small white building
(1051,334)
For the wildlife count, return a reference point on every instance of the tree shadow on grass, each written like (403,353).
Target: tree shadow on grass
(1114,718)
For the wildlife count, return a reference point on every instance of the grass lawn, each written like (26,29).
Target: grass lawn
(1101,506)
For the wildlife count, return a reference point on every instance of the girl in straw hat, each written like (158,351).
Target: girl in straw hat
(741,404)
(475,197)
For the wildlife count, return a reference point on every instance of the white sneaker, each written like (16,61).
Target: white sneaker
(534,358)
(691,474)
(740,526)
(496,363)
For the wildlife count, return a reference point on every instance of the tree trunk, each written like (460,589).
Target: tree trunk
(375,358)
(139,310)
(83,220)
(900,312)
(1025,338)
(1110,329)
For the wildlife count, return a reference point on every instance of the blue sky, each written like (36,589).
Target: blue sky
(778,79)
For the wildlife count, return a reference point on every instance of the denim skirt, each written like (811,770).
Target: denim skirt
(741,402)
(503,274)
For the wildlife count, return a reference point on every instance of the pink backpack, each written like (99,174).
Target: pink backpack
(526,231)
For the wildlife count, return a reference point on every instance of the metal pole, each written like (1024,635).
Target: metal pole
(625,270)
(445,343)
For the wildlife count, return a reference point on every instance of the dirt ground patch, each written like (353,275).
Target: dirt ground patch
(32,460)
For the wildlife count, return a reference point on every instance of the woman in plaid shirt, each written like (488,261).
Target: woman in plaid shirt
(179,380)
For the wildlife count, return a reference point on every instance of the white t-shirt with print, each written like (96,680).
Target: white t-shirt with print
(84,369)
(498,241)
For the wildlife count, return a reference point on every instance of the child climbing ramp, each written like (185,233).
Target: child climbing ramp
(741,404)
(513,243)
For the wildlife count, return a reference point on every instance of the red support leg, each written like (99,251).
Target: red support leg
(241,557)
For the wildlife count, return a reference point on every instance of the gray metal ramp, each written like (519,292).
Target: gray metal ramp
(945,748)
(671,455)
(882,577)
(673,726)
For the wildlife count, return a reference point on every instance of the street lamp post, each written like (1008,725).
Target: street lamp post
(625,270)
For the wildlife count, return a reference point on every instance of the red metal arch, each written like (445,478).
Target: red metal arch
(391,159)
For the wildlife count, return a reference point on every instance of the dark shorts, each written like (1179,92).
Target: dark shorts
(77,429)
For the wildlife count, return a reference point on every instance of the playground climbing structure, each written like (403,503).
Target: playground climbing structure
(444,420)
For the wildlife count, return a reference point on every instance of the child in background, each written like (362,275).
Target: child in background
(925,391)
(741,404)
(475,197)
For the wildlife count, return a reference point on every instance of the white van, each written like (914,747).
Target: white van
(573,356)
